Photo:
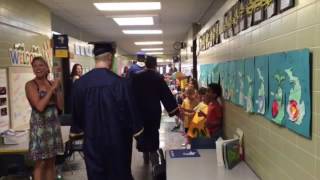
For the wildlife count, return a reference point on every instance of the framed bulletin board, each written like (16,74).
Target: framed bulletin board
(20,109)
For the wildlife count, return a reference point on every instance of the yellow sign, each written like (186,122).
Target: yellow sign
(61,53)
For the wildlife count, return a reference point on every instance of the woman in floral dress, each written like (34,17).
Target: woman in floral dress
(45,99)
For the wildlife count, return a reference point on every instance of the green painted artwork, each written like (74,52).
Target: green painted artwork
(295,106)
(277,80)
(249,84)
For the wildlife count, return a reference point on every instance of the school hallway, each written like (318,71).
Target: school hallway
(75,169)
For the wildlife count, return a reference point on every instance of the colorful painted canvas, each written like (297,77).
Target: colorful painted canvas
(248,84)
(261,84)
(277,80)
(239,82)
(298,100)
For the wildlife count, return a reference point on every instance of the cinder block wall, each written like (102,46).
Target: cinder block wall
(22,21)
(274,152)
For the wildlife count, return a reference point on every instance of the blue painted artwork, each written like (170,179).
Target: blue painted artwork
(298,100)
(223,79)
(277,81)
(216,73)
(248,84)
(261,84)
(203,75)
(239,94)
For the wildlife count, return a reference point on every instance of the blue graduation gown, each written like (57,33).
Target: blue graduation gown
(150,89)
(104,109)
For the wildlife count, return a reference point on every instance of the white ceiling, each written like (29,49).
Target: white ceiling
(175,19)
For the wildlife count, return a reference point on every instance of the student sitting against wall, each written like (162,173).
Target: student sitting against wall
(215,110)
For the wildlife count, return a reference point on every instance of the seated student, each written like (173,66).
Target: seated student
(215,110)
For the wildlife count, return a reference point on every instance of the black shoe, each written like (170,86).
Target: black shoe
(175,128)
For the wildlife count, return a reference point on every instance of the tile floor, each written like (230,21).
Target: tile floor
(75,169)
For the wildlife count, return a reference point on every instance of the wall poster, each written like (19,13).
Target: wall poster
(249,84)
(20,107)
(261,84)
(239,82)
(277,79)
(4,106)
(298,89)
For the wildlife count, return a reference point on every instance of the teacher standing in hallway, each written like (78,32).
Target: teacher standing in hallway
(45,98)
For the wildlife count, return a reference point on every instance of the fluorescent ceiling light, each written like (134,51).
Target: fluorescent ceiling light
(142,32)
(128,6)
(133,21)
(154,53)
(152,49)
(55,33)
(148,43)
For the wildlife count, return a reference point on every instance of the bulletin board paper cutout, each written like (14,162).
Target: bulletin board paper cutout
(277,79)
(19,105)
(239,82)
(298,98)
(261,84)
(249,84)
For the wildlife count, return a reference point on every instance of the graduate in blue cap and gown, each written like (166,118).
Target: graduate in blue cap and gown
(104,109)
(150,90)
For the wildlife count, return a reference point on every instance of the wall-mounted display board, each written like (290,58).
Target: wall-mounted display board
(271,8)
(19,106)
(249,5)
(258,12)
(276,86)
(4,104)
(235,18)
(210,38)
(244,14)
(285,5)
